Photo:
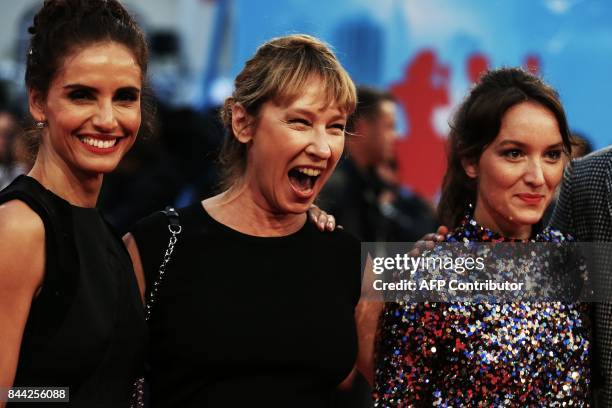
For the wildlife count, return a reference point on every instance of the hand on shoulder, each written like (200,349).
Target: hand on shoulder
(323,220)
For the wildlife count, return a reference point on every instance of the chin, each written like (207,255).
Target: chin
(99,168)
(528,217)
(296,207)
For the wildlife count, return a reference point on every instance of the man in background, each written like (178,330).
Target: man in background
(365,196)
(364,193)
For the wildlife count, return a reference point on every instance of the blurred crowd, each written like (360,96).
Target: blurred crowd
(177,164)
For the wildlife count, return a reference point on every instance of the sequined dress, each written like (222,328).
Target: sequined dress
(468,354)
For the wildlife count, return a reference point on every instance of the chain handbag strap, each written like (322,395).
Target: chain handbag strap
(175,229)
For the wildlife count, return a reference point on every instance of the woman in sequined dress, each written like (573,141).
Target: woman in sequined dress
(506,156)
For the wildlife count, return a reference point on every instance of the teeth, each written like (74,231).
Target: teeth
(101,144)
(309,172)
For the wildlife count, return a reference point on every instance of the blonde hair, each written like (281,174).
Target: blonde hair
(279,72)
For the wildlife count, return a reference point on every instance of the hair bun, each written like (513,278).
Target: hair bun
(33,29)
(62,26)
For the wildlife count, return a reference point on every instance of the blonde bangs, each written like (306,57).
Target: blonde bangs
(280,71)
(290,75)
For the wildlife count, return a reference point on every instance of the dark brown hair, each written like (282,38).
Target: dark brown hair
(369,101)
(279,71)
(62,27)
(476,124)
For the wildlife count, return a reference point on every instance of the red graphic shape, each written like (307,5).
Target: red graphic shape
(477,65)
(421,153)
(532,64)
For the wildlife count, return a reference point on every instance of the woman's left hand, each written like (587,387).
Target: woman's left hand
(323,220)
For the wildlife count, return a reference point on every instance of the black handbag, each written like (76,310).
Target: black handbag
(174,226)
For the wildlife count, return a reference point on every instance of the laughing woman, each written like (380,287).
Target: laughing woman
(257,306)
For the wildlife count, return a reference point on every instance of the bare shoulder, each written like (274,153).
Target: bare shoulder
(18,220)
(22,244)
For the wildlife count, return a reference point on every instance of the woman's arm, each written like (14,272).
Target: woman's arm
(132,247)
(367,314)
(22,264)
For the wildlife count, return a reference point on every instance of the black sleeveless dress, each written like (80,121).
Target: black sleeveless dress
(246,321)
(86,328)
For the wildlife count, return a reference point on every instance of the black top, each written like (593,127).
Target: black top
(249,321)
(86,327)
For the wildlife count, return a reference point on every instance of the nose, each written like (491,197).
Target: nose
(534,174)
(104,119)
(319,145)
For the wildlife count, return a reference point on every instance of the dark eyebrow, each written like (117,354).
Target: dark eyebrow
(556,145)
(79,86)
(523,145)
(94,90)
(130,88)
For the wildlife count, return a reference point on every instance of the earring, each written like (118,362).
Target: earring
(40,124)
(469,212)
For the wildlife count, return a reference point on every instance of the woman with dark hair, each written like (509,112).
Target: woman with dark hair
(506,157)
(70,310)
(257,306)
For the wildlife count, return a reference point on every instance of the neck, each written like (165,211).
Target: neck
(505,228)
(79,189)
(238,209)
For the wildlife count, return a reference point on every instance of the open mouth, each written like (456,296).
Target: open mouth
(303,179)
(98,143)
